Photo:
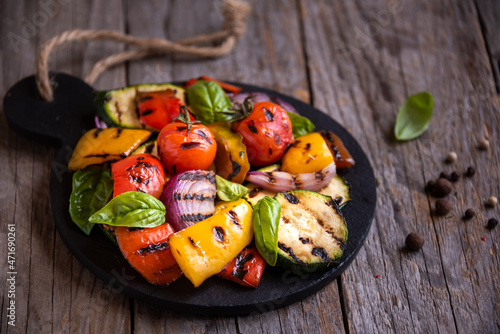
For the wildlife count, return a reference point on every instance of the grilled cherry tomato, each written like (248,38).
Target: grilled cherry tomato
(157,109)
(266,133)
(246,268)
(142,172)
(148,252)
(186,145)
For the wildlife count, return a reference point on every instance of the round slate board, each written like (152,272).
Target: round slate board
(71,113)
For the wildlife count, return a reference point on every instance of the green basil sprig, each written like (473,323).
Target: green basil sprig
(265,218)
(209,102)
(300,125)
(414,116)
(229,191)
(131,209)
(92,187)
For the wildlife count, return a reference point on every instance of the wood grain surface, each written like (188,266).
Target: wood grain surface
(355,60)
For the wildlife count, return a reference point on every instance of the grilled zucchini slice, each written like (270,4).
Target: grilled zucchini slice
(338,189)
(312,232)
(118,108)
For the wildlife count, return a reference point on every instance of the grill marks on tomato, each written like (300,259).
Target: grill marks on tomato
(219,234)
(190,145)
(147,112)
(251,126)
(277,139)
(204,136)
(269,115)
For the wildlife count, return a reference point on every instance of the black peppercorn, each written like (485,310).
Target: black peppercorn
(414,241)
(470,171)
(443,188)
(443,207)
(469,213)
(444,175)
(454,176)
(492,223)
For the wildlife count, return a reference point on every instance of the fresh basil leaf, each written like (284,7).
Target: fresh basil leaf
(300,125)
(131,209)
(229,191)
(265,218)
(209,102)
(92,187)
(414,116)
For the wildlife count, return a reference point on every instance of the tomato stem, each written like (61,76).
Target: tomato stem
(184,117)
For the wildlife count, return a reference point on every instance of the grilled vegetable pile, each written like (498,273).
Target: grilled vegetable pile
(206,180)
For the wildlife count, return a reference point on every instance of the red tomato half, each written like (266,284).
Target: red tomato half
(266,133)
(181,150)
(157,109)
(142,172)
(148,252)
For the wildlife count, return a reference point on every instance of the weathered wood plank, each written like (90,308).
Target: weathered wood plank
(379,53)
(489,15)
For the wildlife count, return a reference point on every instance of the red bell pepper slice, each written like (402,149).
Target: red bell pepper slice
(142,172)
(148,252)
(246,268)
(157,109)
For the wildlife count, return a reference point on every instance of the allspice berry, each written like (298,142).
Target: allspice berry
(470,171)
(443,207)
(430,186)
(469,213)
(443,188)
(454,176)
(414,241)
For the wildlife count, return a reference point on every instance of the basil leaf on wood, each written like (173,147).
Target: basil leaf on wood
(414,116)
(265,218)
(131,209)
(92,187)
(229,191)
(209,102)
(300,125)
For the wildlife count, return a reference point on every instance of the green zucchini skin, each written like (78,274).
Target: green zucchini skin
(312,233)
(117,107)
(338,189)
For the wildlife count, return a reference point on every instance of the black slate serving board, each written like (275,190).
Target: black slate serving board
(70,114)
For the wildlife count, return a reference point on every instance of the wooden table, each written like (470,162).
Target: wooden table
(355,60)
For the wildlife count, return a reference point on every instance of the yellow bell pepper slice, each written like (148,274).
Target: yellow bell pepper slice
(307,154)
(203,249)
(231,160)
(97,146)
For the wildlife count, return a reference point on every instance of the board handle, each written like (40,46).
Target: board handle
(56,122)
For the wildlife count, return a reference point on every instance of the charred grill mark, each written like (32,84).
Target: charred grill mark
(236,168)
(308,146)
(118,111)
(204,136)
(321,253)
(153,248)
(140,190)
(270,151)
(277,139)
(338,200)
(147,112)
(118,132)
(269,115)
(97,132)
(196,197)
(104,155)
(285,220)
(291,198)
(239,270)
(296,143)
(319,176)
(254,192)
(146,182)
(145,98)
(194,218)
(140,158)
(198,176)
(135,178)
(181,128)
(304,240)
(333,203)
(219,234)
(190,145)
(289,251)
(252,128)
(286,126)
(192,242)
(234,218)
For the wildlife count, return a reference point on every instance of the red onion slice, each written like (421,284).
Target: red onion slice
(99,124)
(282,181)
(189,197)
